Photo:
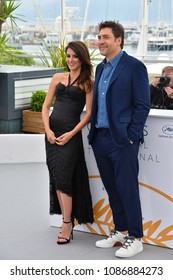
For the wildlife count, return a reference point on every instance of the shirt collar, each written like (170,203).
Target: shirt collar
(113,61)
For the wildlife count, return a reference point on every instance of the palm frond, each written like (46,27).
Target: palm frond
(8,12)
(5,49)
(62,55)
(57,55)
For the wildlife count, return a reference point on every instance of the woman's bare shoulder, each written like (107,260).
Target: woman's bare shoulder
(59,77)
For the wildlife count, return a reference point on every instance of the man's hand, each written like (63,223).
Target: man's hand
(169,91)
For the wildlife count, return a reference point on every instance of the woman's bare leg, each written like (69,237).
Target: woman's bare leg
(60,202)
(66,208)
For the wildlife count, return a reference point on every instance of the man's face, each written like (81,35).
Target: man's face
(170,75)
(109,46)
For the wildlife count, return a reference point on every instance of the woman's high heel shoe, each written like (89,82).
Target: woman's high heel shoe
(66,240)
(61,227)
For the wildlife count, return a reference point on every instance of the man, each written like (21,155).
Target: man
(161,90)
(121,105)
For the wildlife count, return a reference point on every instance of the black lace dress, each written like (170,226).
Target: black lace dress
(66,164)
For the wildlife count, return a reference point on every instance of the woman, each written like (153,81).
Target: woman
(69,185)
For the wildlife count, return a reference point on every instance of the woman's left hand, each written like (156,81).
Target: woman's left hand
(64,138)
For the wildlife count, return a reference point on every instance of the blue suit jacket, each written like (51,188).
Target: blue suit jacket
(127,101)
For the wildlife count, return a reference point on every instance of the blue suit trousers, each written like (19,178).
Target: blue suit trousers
(118,169)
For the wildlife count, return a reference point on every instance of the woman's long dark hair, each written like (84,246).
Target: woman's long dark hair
(82,52)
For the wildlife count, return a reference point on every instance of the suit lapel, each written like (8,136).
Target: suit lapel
(119,68)
(99,72)
(116,73)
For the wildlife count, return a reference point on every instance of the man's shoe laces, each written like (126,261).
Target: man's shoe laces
(128,241)
(113,232)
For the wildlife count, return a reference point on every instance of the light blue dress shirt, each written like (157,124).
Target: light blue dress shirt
(108,69)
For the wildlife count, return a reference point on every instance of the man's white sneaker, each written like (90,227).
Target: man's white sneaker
(130,248)
(116,238)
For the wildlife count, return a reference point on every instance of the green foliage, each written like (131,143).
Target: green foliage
(8,12)
(52,50)
(94,56)
(15,57)
(3,44)
(62,56)
(7,9)
(37,100)
(57,56)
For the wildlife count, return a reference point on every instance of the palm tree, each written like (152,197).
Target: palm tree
(7,9)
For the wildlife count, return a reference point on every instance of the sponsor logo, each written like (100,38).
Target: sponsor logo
(168,129)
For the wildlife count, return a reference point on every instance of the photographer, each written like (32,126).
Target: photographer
(161,90)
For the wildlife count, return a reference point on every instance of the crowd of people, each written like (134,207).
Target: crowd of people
(117,99)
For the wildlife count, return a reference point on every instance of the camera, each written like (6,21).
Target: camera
(163,82)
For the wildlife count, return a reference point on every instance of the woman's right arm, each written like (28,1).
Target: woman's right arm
(46,107)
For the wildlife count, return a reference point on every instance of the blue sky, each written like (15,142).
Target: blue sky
(123,10)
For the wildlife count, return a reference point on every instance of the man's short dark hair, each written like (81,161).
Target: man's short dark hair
(117,29)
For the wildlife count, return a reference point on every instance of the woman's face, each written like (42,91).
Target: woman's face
(72,60)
